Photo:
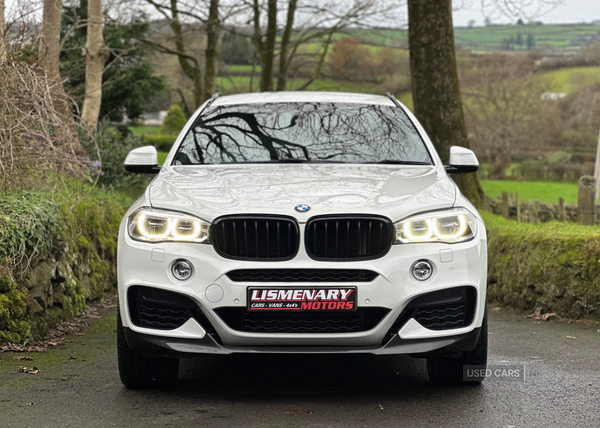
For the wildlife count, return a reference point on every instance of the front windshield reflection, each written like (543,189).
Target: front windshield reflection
(303,132)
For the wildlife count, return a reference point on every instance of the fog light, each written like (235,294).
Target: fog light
(422,270)
(182,269)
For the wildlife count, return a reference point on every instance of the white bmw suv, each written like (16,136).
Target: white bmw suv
(301,222)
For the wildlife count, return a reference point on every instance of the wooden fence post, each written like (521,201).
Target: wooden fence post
(505,205)
(562,214)
(531,207)
(518,206)
(586,205)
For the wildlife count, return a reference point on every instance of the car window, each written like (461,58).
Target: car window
(334,132)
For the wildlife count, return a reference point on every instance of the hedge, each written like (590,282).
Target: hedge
(553,266)
(163,143)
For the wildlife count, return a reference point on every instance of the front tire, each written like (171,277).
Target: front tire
(449,371)
(137,371)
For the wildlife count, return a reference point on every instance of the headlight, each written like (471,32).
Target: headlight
(152,225)
(455,225)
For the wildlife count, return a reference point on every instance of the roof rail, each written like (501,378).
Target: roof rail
(209,102)
(393,98)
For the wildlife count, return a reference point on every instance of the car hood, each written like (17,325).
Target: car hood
(211,191)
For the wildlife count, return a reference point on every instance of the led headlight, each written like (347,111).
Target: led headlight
(152,225)
(454,225)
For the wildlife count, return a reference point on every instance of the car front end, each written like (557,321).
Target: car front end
(311,257)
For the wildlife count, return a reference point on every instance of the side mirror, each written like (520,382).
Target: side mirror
(462,161)
(142,160)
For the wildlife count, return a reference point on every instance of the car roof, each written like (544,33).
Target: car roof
(302,97)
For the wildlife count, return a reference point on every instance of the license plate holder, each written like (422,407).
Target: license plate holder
(317,299)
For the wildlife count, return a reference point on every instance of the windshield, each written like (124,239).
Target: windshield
(303,132)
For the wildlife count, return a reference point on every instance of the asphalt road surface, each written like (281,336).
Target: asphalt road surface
(78,386)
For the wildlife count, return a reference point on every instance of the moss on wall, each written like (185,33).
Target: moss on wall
(555,266)
(57,251)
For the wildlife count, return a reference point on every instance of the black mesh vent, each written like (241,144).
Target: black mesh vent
(362,319)
(164,310)
(442,317)
(439,310)
(255,238)
(302,275)
(348,238)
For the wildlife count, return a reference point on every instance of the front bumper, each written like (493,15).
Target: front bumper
(149,265)
(177,347)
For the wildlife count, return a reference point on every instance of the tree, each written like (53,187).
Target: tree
(266,47)
(204,80)
(319,21)
(350,60)
(505,114)
(435,86)
(519,40)
(49,57)
(128,82)
(236,49)
(2,22)
(530,42)
(96,54)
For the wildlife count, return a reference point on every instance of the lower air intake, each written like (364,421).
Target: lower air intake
(363,319)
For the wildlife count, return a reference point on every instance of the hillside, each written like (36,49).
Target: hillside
(562,39)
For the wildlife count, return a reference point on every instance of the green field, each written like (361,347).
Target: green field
(571,79)
(530,190)
(483,38)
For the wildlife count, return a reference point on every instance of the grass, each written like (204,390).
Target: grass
(543,191)
(161,157)
(145,130)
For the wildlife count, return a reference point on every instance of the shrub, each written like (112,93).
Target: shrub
(174,122)
(107,149)
(36,142)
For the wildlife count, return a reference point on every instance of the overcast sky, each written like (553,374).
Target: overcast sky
(571,11)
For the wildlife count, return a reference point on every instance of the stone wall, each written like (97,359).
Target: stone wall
(54,258)
(543,212)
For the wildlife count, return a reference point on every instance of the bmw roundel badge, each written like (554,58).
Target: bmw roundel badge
(302,208)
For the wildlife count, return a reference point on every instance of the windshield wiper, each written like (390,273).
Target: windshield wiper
(401,162)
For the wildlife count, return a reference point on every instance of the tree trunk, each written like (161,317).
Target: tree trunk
(3,35)
(2,22)
(435,86)
(49,57)
(267,55)
(284,61)
(213,33)
(188,64)
(96,53)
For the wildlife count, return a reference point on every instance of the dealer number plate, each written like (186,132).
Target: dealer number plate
(302,299)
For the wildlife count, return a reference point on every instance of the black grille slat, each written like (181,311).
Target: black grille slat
(365,238)
(255,238)
(363,319)
(302,275)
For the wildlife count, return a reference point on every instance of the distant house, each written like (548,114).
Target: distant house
(154,118)
(552,96)
(596,22)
